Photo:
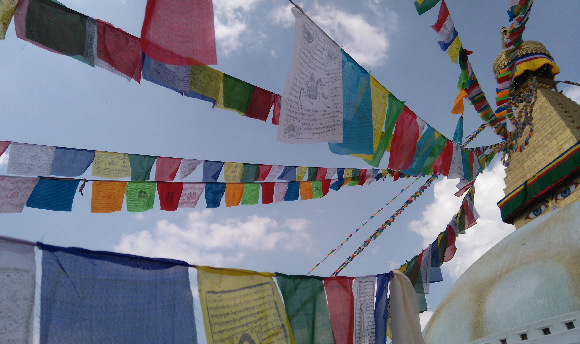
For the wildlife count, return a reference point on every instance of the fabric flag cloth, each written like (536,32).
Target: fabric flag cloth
(312,102)
(152,300)
(330,172)
(426,269)
(424,146)
(382,308)
(248,299)
(456,169)
(288,174)
(267,192)
(445,27)
(166,169)
(188,166)
(141,166)
(357,110)
(251,194)
(71,162)
(213,194)
(443,161)
(317,189)
(233,172)
(30,160)
(280,191)
(394,109)
(405,327)
(7,9)
(305,190)
(341,307)
(264,172)
(458,134)
(436,275)
(211,171)
(321,173)
(293,192)
(140,196)
(53,194)
(175,78)
(277,101)
(18,281)
(111,165)
(274,171)
(423,6)
(251,173)
(458,107)
(312,173)
(306,306)
(14,193)
(301,172)
(260,104)
(190,195)
(169,195)
(405,140)
(179,32)
(234,192)
(206,81)
(379,98)
(107,196)
(236,95)
(3,146)
(118,51)
(453,50)
(364,309)
(438,146)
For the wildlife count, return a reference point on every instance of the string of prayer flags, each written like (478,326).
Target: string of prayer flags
(190,195)
(7,9)
(246,298)
(140,196)
(312,102)
(71,162)
(111,165)
(169,195)
(213,194)
(107,196)
(306,306)
(141,166)
(166,169)
(53,194)
(340,300)
(211,171)
(14,193)
(179,32)
(423,6)
(152,297)
(30,160)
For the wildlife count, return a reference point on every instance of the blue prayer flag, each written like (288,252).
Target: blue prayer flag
(214,193)
(293,191)
(382,307)
(288,174)
(211,171)
(71,162)
(53,194)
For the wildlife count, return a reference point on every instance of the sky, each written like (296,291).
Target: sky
(54,100)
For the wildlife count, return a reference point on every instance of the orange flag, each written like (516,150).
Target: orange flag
(458,107)
(234,192)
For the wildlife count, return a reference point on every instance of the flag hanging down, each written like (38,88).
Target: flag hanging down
(423,6)
(18,280)
(242,306)
(30,160)
(53,194)
(341,307)
(14,193)
(179,32)
(117,51)
(107,196)
(312,103)
(89,296)
(445,27)
(364,309)
(71,162)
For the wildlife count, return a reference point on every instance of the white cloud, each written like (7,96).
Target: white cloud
(4,159)
(573,92)
(282,15)
(231,18)
(202,241)
(478,239)
(424,318)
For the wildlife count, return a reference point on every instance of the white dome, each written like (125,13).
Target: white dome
(531,275)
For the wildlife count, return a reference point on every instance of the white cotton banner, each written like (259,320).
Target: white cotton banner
(456,168)
(364,310)
(405,324)
(17,283)
(274,172)
(190,195)
(14,193)
(311,110)
(30,160)
(187,167)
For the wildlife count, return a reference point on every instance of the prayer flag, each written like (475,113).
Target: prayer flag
(233,172)
(453,50)
(237,94)
(293,192)
(179,32)
(379,97)
(364,307)
(267,192)
(456,168)
(206,81)
(169,195)
(330,172)
(301,172)
(71,162)
(317,189)
(438,146)
(280,191)
(111,165)
(274,171)
(405,327)
(251,173)
(234,192)
(312,173)
(213,194)
(104,297)
(166,169)
(264,172)
(211,171)
(305,303)
(340,307)
(190,195)
(248,299)
(118,51)
(404,141)
(321,173)
(251,194)
(107,196)
(14,193)
(141,166)
(305,190)
(30,160)
(445,27)
(443,161)
(188,166)
(326,186)
(53,194)
(458,107)
(18,281)
(394,109)
(140,196)
(3,146)
(424,146)
(277,101)
(260,104)
(382,308)
(175,78)
(423,6)
(458,134)
(7,9)
(288,174)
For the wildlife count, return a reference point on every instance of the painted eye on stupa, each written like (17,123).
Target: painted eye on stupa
(566,192)
(537,212)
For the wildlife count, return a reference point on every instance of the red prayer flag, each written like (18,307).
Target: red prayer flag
(3,146)
(443,162)
(443,15)
(362,178)
(404,142)
(264,171)
(260,104)
(341,307)
(321,173)
(277,101)
(169,195)
(267,193)
(451,248)
(469,217)
(119,50)
(325,186)
(166,168)
(179,32)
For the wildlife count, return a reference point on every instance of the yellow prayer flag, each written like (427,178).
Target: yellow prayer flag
(305,190)
(206,81)
(233,172)
(7,8)
(347,173)
(300,173)
(385,172)
(242,308)
(107,197)
(111,165)
(234,193)
(453,50)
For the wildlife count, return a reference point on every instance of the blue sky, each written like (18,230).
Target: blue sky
(54,100)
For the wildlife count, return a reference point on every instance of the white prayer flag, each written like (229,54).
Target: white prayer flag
(30,160)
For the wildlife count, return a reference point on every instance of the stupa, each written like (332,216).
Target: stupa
(526,289)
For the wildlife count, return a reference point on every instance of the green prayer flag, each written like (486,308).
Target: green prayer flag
(355,177)
(317,189)
(141,166)
(394,109)
(140,196)
(251,173)
(251,193)
(305,303)
(437,149)
(423,6)
(237,94)
(312,171)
